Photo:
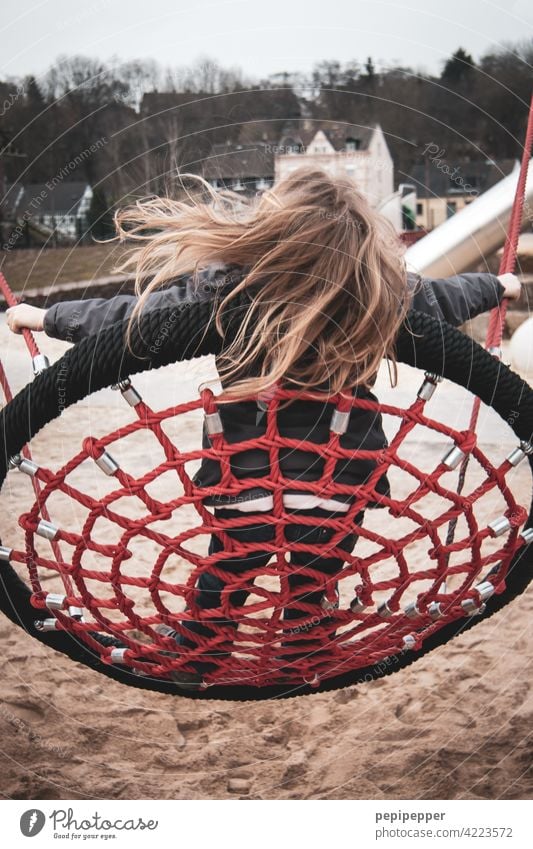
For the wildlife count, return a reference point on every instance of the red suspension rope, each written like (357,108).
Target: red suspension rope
(34,351)
(12,301)
(507,265)
(508,261)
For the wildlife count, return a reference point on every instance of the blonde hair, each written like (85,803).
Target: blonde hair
(323,269)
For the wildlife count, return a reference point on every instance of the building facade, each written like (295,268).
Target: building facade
(348,151)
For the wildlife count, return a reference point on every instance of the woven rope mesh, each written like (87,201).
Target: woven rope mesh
(134,544)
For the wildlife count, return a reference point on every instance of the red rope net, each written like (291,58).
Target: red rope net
(133,556)
(426,561)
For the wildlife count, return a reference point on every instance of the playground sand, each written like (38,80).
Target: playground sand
(457,724)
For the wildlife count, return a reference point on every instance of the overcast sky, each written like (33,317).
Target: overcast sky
(260,37)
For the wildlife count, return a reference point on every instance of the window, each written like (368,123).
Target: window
(353,144)
(451,208)
(419,209)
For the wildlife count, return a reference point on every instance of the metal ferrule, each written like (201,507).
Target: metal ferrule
(213,424)
(117,655)
(131,396)
(409,642)
(485,590)
(106,462)
(46,624)
(28,467)
(384,610)
(527,535)
(435,610)
(55,601)
(128,392)
(5,553)
(47,530)
(496,351)
(15,461)
(356,605)
(525,449)
(425,393)
(40,363)
(453,457)
(327,604)
(339,421)
(412,610)
(516,456)
(76,613)
(166,631)
(500,526)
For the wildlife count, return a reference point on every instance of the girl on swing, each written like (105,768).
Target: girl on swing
(330,291)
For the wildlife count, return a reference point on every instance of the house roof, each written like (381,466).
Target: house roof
(228,161)
(337,133)
(443,179)
(38,199)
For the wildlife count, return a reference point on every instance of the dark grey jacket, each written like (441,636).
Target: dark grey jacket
(451,299)
(454,299)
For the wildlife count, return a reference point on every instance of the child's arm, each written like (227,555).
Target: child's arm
(457,299)
(73,320)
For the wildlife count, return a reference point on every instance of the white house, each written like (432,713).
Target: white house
(60,207)
(358,153)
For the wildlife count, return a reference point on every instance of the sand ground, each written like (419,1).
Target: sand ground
(457,724)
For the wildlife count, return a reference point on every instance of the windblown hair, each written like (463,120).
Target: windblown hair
(324,271)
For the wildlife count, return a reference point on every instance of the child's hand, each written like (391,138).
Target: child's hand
(512,286)
(25,317)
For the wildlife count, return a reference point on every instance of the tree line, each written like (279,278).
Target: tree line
(145,122)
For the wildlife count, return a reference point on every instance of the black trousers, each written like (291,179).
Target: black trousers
(210,587)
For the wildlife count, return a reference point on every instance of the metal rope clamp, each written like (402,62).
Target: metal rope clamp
(23,464)
(130,395)
(39,364)
(213,424)
(525,449)
(425,393)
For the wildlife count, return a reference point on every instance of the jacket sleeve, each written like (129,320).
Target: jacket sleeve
(73,320)
(455,299)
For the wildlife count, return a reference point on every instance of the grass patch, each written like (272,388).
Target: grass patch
(37,267)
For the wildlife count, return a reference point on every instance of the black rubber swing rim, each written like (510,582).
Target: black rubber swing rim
(169,335)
